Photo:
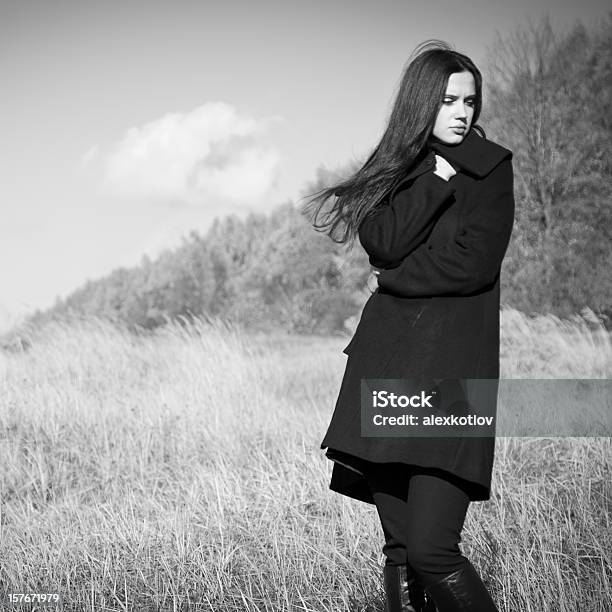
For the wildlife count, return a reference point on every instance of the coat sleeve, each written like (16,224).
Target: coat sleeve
(473,259)
(395,230)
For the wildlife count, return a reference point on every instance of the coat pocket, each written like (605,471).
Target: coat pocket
(385,317)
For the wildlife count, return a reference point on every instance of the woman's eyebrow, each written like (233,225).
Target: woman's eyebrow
(454,96)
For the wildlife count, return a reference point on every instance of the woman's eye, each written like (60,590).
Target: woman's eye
(450,101)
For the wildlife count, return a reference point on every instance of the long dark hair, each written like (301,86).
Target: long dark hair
(404,142)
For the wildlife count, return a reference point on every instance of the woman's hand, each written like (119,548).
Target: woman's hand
(372,281)
(443,168)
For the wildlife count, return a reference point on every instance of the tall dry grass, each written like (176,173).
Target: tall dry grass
(182,471)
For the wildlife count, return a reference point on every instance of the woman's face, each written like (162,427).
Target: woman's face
(455,116)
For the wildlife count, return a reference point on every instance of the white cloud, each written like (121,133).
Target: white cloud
(208,153)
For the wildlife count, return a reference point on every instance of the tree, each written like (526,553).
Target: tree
(544,98)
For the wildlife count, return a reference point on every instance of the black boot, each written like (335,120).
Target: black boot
(403,591)
(462,591)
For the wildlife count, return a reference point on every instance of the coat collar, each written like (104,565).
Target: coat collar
(474,154)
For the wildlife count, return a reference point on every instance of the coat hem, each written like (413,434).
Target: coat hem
(348,476)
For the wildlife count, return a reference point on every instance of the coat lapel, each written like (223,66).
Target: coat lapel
(474,154)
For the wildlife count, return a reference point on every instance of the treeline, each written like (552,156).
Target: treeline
(547,97)
(264,272)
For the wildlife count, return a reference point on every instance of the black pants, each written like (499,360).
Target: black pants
(422,511)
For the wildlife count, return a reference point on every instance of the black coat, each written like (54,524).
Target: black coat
(436,311)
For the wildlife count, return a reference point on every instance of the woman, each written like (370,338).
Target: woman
(433,207)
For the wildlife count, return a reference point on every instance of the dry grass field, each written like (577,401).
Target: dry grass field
(182,471)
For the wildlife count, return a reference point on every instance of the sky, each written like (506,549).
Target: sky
(125,124)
